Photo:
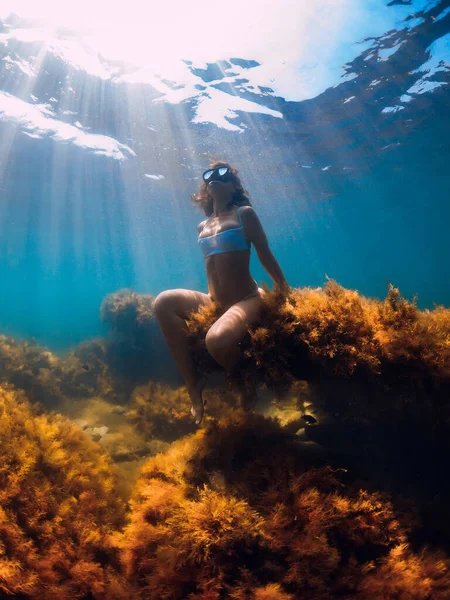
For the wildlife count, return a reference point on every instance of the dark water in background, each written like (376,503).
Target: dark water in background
(342,188)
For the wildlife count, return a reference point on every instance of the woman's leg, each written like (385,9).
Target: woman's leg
(224,337)
(172,308)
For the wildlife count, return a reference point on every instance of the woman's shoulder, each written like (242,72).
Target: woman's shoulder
(201,225)
(245,211)
(245,208)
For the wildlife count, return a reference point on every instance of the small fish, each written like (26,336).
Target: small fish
(309,419)
(85,367)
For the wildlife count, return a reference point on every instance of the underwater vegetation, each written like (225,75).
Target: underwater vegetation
(108,367)
(242,508)
(59,503)
(162,412)
(370,363)
(132,326)
(367,361)
(338,332)
(48,378)
(238,510)
(30,367)
(128,313)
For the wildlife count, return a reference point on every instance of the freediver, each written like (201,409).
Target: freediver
(225,238)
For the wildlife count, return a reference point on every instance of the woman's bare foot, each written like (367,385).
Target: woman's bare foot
(197,408)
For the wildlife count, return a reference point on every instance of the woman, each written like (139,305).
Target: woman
(225,237)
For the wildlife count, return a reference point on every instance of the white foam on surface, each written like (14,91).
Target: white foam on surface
(221,109)
(37,121)
(439,61)
(392,109)
(307,46)
(154,177)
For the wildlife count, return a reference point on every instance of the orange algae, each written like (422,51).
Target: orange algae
(272,591)
(127,312)
(109,367)
(378,364)
(339,332)
(408,576)
(49,379)
(162,412)
(59,504)
(239,511)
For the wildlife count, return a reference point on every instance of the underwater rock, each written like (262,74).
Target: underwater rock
(380,363)
(132,327)
(50,379)
(28,366)
(309,419)
(97,433)
(335,331)
(290,406)
(101,430)
(241,508)
(126,444)
(238,511)
(108,424)
(127,312)
(100,379)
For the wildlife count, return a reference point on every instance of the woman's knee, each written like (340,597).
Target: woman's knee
(218,345)
(179,302)
(165,303)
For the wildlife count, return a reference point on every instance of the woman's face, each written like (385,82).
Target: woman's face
(219,189)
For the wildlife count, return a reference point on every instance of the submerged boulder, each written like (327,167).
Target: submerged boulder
(373,366)
(238,510)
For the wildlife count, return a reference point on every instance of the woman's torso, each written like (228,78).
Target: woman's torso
(228,272)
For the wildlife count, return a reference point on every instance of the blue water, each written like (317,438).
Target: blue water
(342,188)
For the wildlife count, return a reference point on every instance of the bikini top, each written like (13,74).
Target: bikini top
(225,241)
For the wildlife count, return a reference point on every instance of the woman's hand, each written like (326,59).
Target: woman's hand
(282,288)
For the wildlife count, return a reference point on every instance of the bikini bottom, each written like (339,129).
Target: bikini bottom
(252,294)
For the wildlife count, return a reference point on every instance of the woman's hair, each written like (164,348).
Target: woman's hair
(240,196)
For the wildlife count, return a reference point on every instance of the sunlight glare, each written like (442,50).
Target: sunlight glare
(159,35)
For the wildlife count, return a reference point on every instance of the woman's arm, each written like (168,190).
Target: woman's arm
(256,234)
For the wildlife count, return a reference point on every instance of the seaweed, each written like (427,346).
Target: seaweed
(239,510)
(379,365)
(160,411)
(59,503)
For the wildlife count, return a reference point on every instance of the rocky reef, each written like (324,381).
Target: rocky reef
(241,510)
(108,367)
(336,487)
(382,366)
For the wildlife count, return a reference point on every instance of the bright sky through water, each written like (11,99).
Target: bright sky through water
(301,45)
